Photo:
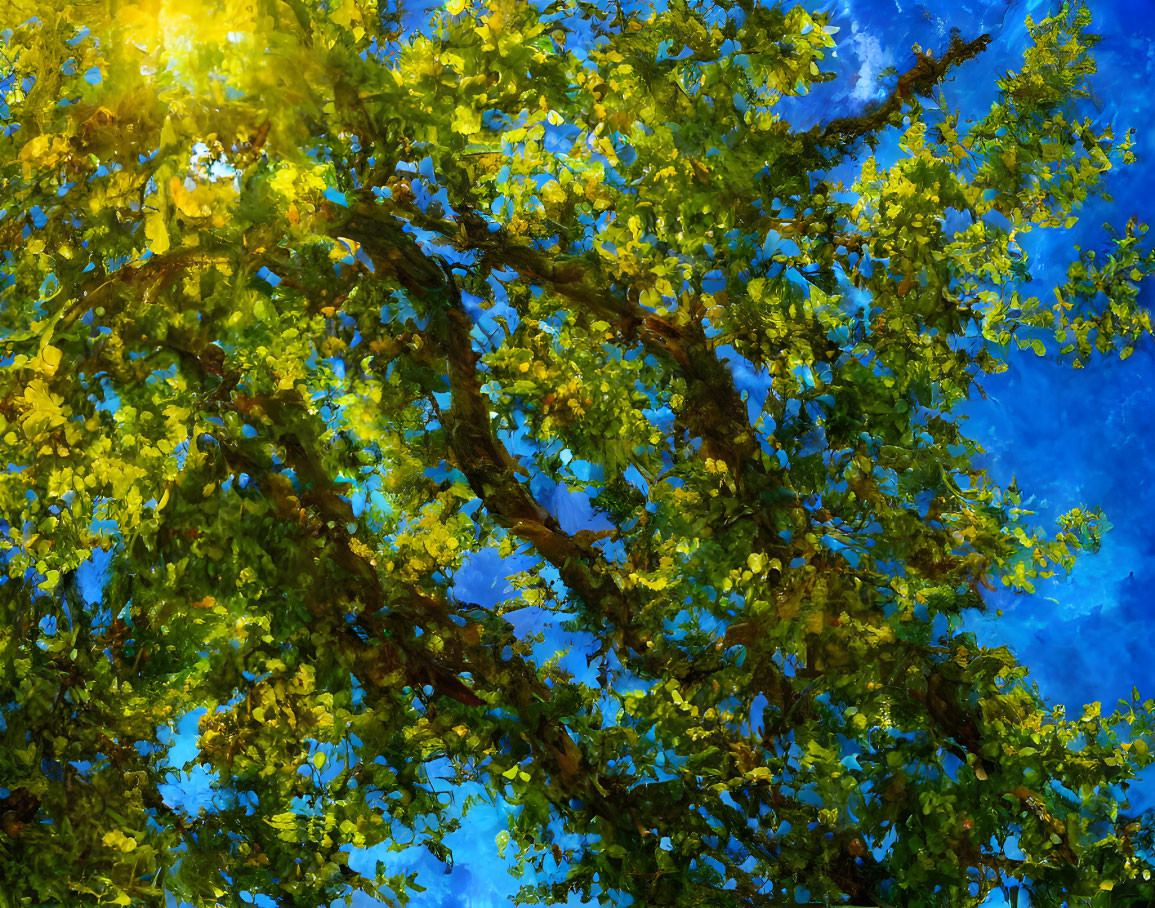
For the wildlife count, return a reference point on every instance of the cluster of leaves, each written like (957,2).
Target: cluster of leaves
(302,309)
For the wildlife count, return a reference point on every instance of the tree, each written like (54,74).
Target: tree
(302,307)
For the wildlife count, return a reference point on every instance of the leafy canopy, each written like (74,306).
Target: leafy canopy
(302,309)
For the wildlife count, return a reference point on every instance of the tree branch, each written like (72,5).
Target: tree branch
(918,80)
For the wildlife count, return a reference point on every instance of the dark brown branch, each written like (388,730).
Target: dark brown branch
(388,616)
(488,467)
(714,411)
(918,80)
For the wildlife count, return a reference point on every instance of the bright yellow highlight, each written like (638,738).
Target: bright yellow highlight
(173,27)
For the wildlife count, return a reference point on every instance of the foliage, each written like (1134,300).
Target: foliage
(301,308)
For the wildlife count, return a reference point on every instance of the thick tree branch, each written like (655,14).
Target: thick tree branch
(918,80)
(487,466)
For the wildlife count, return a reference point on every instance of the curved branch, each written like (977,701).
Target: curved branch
(487,466)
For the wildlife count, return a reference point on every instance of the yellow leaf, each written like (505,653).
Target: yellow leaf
(282,820)
(114,838)
(48,361)
(455,7)
(156,232)
(466,120)
(35,148)
(182,197)
(207,200)
(46,412)
(346,14)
